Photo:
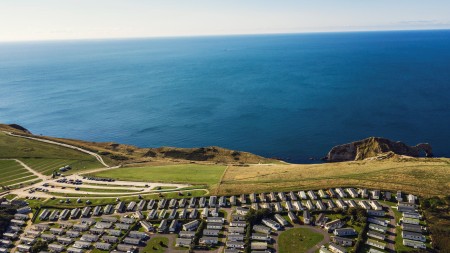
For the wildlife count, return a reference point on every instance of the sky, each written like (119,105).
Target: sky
(24,20)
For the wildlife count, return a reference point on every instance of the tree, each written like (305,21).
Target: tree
(255,216)
(39,246)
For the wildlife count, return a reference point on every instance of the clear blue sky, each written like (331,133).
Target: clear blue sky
(82,19)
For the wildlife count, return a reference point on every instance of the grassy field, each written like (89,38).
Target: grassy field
(112,200)
(186,173)
(407,175)
(298,240)
(12,173)
(46,166)
(44,157)
(154,245)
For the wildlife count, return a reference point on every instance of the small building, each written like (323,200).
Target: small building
(211,232)
(81,227)
(131,241)
(48,237)
(345,232)
(336,248)
(215,220)
(353,193)
(258,245)
(162,226)
(414,244)
(376,235)
(242,210)
(183,242)
(187,234)
(235,244)
(312,195)
(131,206)
(375,194)
(412,228)
(81,245)
(334,224)
(114,232)
(378,213)
(320,205)
(173,226)
(57,231)
(272,224)
(73,233)
(23,248)
(413,236)
(238,224)
(306,217)
(236,230)
(376,244)
(214,225)
(281,220)
(74,250)
(141,205)
(346,242)
(56,247)
(292,217)
(122,226)
(261,237)
(235,238)
(102,246)
(120,207)
(412,215)
(110,238)
(89,238)
(378,221)
(205,240)
(147,226)
(64,240)
(262,229)
(378,228)
(126,248)
(103,225)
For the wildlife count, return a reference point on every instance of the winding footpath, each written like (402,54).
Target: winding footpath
(97,156)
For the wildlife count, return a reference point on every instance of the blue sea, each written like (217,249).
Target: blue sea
(288,96)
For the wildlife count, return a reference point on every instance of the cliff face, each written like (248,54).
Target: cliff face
(375,146)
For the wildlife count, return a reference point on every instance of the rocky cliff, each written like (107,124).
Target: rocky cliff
(374,146)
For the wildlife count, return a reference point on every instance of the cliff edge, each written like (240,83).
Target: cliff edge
(375,146)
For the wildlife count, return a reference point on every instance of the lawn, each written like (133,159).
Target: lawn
(298,240)
(44,157)
(407,175)
(112,200)
(185,173)
(12,173)
(154,245)
(47,166)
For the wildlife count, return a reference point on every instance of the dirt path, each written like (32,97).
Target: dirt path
(97,156)
(391,234)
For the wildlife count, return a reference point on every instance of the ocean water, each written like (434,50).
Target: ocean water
(287,96)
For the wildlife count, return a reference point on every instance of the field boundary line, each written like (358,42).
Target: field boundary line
(221,180)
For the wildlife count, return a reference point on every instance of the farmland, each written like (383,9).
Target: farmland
(185,173)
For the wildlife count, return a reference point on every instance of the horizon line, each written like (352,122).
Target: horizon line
(217,35)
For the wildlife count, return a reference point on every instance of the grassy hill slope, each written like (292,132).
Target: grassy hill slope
(422,176)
